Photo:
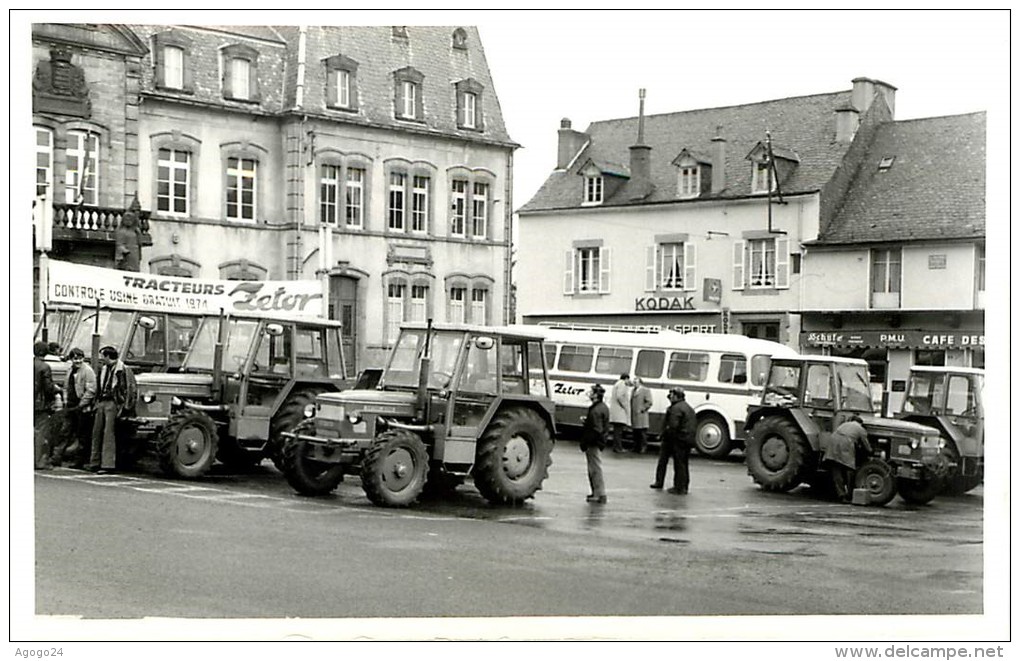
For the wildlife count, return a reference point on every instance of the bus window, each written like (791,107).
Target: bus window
(649,364)
(575,359)
(688,366)
(732,368)
(613,361)
(760,369)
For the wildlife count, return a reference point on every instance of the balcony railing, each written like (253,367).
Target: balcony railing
(97,219)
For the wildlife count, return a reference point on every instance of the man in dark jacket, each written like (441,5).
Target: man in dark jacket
(110,399)
(840,454)
(593,441)
(44,396)
(675,442)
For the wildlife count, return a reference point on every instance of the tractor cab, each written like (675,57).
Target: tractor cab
(950,400)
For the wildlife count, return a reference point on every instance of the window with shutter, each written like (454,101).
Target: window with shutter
(568,273)
(604,270)
(651,271)
(690,267)
(782,263)
(738,264)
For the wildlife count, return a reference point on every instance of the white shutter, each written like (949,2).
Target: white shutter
(690,267)
(651,277)
(782,263)
(604,270)
(738,264)
(568,273)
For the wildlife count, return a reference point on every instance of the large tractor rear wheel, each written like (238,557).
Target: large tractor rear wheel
(777,454)
(290,415)
(513,456)
(187,444)
(877,478)
(955,483)
(712,438)
(307,476)
(395,468)
(918,492)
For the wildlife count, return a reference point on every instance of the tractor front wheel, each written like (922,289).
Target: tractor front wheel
(513,456)
(918,492)
(395,468)
(187,444)
(877,478)
(290,414)
(307,476)
(776,453)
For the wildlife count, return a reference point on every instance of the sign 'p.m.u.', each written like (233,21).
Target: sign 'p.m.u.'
(77,283)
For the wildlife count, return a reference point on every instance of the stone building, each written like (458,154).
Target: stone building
(246,140)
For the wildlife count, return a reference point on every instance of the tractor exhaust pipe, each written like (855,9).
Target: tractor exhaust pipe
(218,357)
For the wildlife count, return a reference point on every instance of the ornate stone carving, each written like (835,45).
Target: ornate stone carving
(59,86)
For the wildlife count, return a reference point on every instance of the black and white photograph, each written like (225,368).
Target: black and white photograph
(661,326)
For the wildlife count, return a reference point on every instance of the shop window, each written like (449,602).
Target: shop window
(762,330)
(930,357)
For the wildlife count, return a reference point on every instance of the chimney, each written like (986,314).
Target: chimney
(889,93)
(571,143)
(847,121)
(641,157)
(862,94)
(718,161)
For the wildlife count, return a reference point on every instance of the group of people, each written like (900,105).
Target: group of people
(635,400)
(74,421)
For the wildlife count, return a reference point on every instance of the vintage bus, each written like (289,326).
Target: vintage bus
(720,373)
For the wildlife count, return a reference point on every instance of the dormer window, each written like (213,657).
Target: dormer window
(240,73)
(408,98)
(771,164)
(690,169)
(469,104)
(341,83)
(763,179)
(689,184)
(460,39)
(593,187)
(171,55)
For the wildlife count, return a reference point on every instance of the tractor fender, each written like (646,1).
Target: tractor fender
(803,421)
(542,407)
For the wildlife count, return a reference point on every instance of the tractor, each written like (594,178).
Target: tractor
(244,380)
(805,399)
(454,401)
(950,400)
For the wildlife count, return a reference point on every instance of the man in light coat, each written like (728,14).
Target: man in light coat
(640,405)
(619,410)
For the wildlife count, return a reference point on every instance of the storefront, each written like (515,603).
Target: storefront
(684,322)
(892,351)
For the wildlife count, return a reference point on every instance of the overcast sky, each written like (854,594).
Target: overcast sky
(588,66)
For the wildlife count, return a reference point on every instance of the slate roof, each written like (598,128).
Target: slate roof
(935,188)
(805,125)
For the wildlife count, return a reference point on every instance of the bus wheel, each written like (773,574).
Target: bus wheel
(712,438)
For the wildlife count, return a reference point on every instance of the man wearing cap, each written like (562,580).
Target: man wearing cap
(44,395)
(675,442)
(593,441)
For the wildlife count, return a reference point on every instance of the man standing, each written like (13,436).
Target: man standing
(675,442)
(110,399)
(619,410)
(80,387)
(44,396)
(593,440)
(640,405)
(841,454)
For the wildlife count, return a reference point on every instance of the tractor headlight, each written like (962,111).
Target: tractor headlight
(354,418)
(309,410)
(175,401)
(914,443)
(148,397)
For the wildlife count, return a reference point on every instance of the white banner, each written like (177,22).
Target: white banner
(76,283)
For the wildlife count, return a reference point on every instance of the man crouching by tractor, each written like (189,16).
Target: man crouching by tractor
(841,454)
